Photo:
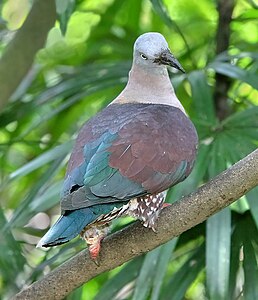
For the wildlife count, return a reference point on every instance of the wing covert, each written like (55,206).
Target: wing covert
(143,149)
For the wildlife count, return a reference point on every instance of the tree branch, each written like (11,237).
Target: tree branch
(19,54)
(135,239)
(225,10)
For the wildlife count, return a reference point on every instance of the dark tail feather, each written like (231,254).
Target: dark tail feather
(67,227)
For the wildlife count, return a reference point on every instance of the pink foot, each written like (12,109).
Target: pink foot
(93,236)
(165,205)
(94,251)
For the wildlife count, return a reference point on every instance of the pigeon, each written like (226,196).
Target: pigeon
(127,156)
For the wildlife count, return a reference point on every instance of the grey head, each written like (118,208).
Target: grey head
(151,50)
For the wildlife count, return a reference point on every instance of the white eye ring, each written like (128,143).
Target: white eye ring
(144,56)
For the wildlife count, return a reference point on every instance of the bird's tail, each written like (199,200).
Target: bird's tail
(67,227)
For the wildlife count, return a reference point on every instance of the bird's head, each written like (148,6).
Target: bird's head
(151,50)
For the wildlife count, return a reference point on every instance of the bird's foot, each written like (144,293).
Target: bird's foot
(93,237)
(94,245)
(150,224)
(154,229)
(165,205)
(94,250)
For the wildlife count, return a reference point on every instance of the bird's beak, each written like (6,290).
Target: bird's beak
(167,58)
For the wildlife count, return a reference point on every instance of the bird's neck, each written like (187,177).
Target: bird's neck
(149,86)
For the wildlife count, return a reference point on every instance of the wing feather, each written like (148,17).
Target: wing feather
(147,149)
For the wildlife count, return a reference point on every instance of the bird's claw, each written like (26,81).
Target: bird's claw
(154,229)
(165,205)
(96,261)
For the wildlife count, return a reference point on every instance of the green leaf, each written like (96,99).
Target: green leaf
(38,198)
(145,278)
(240,206)
(236,244)
(162,265)
(184,277)
(62,5)
(76,80)
(48,199)
(250,271)
(202,97)
(252,198)
(218,235)
(76,294)
(42,160)
(234,71)
(243,271)
(245,119)
(64,8)
(11,258)
(217,159)
(128,273)
(249,14)
(237,143)
(161,10)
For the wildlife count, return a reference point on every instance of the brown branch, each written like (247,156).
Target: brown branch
(225,10)
(135,239)
(19,54)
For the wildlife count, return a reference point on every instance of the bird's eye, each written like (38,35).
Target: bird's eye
(144,56)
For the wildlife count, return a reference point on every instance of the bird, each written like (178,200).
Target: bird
(127,155)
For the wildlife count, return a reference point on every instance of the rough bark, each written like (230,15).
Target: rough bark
(225,10)
(135,239)
(19,54)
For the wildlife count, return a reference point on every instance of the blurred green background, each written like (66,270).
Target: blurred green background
(83,66)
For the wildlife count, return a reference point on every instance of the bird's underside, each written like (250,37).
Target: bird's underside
(146,209)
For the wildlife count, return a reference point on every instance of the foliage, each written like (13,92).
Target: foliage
(83,67)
